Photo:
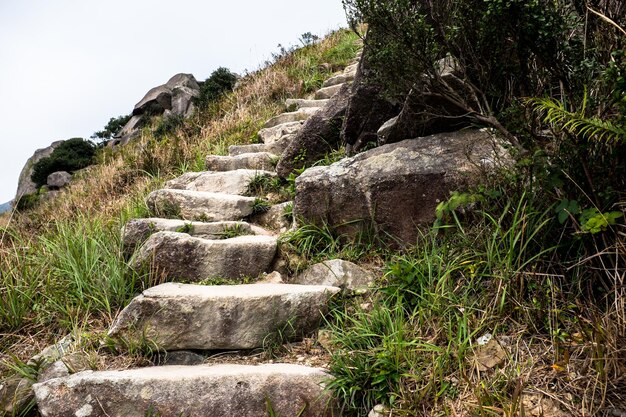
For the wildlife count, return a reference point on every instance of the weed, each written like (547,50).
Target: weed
(274,343)
(288,212)
(260,206)
(186,228)
(233,231)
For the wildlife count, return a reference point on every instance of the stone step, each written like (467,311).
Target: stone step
(294,116)
(227,182)
(351,69)
(260,161)
(175,316)
(339,79)
(137,231)
(273,134)
(199,205)
(300,103)
(275,148)
(203,390)
(180,257)
(327,92)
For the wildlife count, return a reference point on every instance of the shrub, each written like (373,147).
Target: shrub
(71,155)
(112,128)
(220,82)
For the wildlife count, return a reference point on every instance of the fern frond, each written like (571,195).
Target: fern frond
(575,122)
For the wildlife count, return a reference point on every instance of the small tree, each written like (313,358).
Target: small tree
(112,128)
(220,82)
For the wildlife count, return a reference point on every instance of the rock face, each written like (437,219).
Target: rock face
(179,256)
(319,135)
(25,184)
(178,316)
(58,179)
(336,273)
(396,187)
(199,205)
(172,391)
(367,110)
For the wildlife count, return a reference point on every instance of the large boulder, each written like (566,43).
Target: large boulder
(181,257)
(155,102)
(204,390)
(58,180)
(320,134)
(25,185)
(181,316)
(367,110)
(396,187)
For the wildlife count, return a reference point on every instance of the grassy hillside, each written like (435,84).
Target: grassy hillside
(61,266)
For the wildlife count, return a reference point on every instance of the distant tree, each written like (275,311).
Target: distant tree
(222,80)
(308,39)
(112,128)
(71,155)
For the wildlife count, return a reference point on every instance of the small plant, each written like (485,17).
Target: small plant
(259,184)
(288,212)
(260,206)
(235,230)
(275,342)
(168,125)
(167,209)
(185,228)
(112,128)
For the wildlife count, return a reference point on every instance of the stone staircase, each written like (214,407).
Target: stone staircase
(205,228)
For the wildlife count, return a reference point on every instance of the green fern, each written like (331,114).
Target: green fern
(576,122)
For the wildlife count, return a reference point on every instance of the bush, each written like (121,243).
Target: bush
(71,155)
(220,82)
(112,128)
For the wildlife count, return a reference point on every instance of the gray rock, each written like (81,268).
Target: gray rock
(25,185)
(182,100)
(367,110)
(137,231)
(319,135)
(58,179)
(228,182)
(176,316)
(131,129)
(378,411)
(182,80)
(172,391)
(180,257)
(275,218)
(296,116)
(396,187)
(326,93)
(300,103)
(57,370)
(260,161)
(199,205)
(155,102)
(274,148)
(15,395)
(336,273)
(273,134)
(339,79)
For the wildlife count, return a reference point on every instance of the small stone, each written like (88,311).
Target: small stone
(489,356)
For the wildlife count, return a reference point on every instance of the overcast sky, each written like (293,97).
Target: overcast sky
(67,66)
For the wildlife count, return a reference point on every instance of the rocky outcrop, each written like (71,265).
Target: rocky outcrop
(172,391)
(25,185)
(203,317)
(396,187)
(319,135)
(367,110)
(336,273)
(172,98)
(178,256)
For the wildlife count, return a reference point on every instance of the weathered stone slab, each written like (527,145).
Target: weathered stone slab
(336,273)
(176,316)
(327,92)
(137,231)
(300,103)
(228,182)
(274,148)
(203,390)
(275,133)
(396,187)
(180,257)
(339,79)
(58,179)
(259,161)
(199,205)
(295,116)
(275,218)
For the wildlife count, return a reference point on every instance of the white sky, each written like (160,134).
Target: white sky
(67,66)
